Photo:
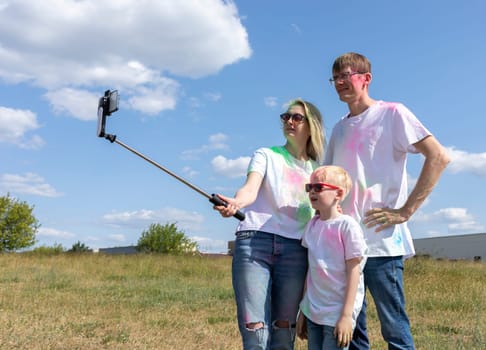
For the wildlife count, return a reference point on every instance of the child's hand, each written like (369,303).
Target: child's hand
(343,331)
(301,326)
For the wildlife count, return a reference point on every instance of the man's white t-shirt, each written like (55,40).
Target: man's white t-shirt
(373,147)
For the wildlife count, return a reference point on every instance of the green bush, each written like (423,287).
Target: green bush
(165,239)
(56,249)
(79,247)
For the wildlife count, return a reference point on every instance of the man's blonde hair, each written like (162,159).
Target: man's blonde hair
(354,60)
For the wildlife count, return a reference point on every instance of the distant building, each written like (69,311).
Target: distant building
(119,250)
(231,247)
(469,247)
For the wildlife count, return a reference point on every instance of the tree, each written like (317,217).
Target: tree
(165,239)
(79,247)
(18,225)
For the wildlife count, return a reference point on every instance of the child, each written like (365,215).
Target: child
(334,288)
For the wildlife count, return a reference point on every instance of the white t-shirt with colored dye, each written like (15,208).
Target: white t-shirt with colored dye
(330,243)
(282,206)
(373,147)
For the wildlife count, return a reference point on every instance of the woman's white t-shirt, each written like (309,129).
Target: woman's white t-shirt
(282,206)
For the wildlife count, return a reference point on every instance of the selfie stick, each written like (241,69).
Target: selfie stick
(109,104)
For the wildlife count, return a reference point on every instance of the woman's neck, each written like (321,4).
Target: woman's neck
(298,152)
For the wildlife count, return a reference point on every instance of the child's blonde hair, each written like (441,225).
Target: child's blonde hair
(334,175)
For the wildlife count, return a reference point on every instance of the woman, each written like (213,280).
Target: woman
(269,263)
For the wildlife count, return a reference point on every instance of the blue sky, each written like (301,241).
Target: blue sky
(201,85)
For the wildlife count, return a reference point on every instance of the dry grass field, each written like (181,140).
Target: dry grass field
(91,301)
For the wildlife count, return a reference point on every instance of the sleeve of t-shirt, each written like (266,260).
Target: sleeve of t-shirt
(329,151)
(407,129)
(354,242)
(258,162)
(305,235)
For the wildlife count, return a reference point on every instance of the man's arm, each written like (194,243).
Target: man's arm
(436,160)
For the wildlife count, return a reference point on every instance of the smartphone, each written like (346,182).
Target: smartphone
(101,118)
(106,105)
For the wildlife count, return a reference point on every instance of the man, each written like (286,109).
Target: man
(372,142)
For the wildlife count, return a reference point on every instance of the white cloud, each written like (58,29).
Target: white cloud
(446,214)
(15,124)
(230,167)
(117,238)
(216,142)
(28,183)
(189,172)
(141,219)
(91,44)
(296,28)
(465,227)
(35,142)
(196,102)
(54,233)
(152,100)
(81,104)
(270,101)
(213,96)
(462,161)
(454,220)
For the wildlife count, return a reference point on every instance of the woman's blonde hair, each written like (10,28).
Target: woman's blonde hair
(317,140)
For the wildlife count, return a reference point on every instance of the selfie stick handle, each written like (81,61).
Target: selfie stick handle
(212,198)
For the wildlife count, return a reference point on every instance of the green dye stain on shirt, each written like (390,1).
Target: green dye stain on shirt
(284,153)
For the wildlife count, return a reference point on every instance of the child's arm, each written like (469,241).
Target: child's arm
(343,331)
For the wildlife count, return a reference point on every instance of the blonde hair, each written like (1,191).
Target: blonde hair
(317,140)
(353,60)
(334,175)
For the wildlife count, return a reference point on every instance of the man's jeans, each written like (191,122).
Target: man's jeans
(268,279)
(384,279)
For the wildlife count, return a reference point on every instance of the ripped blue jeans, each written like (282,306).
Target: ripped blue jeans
(268,279)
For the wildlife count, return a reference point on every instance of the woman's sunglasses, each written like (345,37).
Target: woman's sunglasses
(319,187)
(296,117)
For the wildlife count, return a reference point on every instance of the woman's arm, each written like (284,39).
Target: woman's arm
(245,196)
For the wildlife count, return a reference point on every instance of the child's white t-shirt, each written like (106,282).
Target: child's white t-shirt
(330,243)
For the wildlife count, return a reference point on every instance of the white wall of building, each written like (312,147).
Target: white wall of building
(469,247)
